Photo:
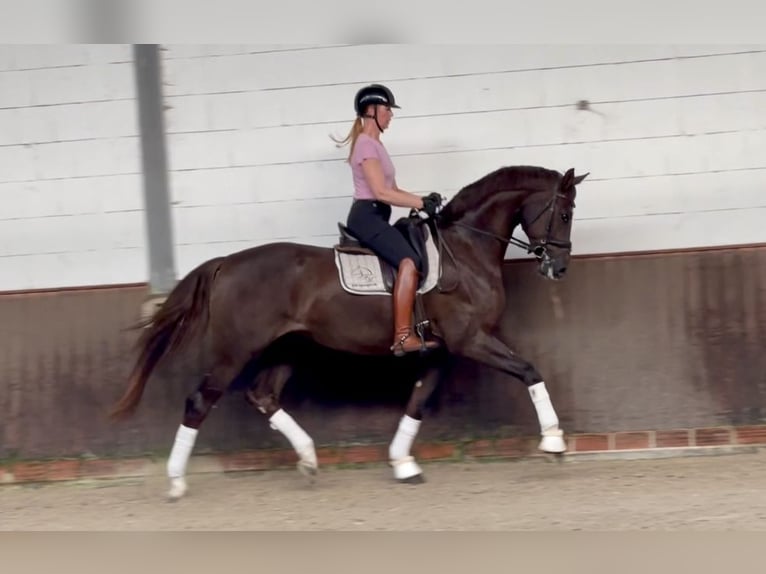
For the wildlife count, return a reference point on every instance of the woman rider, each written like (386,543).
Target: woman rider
(375,191)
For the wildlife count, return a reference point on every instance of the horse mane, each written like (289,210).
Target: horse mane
(506,178)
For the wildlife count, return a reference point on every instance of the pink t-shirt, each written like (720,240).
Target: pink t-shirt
(365,148)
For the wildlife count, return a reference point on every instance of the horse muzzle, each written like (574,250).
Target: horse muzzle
(552,267)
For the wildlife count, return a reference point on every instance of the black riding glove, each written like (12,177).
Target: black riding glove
(431,203)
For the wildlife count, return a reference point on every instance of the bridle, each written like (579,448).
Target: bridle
(538,247)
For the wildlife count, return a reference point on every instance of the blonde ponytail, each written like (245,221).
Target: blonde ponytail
(353,133)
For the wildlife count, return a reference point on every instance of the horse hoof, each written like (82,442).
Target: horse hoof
(177,490)
(407,471)
(553,444)
(307,469)
(416,479)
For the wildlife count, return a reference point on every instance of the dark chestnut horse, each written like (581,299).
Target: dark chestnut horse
(240,305)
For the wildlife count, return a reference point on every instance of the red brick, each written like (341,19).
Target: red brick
(63,470)
(590,442)
(672,438)
(751,434)
(131,467)
(531,444)
(246,460)
(30,471)
(38,471)
(434,451)
(329,456)
(511,447)
(282,458)
(479,448)
(713,436)
(98,468)
(364,454)
(631,440)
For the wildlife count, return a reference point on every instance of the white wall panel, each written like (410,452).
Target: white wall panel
(257,221)
(633,121)
(70,180)
(430,96)
(29,56)
(78,196)
(73,233)
(202,51)
(613,162)
(670,194)
(231,185)
(674,142)
(73,268)
(325,66)
(86,158)
(673,137)
(15,89)
(670,231)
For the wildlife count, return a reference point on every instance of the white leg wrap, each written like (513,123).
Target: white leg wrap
(182,448)
(552,440)
(301,442)
(405,435)
(542,401)
(399,450)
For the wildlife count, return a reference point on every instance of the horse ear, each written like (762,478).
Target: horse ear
(579,178)
(566,181)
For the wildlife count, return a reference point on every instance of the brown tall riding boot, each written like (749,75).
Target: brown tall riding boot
(405,341)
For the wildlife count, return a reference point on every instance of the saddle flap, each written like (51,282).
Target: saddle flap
(415,231)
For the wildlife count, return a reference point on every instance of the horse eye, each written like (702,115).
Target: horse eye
(565,217)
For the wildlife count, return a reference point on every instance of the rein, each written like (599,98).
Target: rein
(512,240)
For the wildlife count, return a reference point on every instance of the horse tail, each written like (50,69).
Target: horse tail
(183,314)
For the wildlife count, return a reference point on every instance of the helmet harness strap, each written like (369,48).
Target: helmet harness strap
(375,117)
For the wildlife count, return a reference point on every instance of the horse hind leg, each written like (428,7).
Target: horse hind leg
(197,406)
(405,469)
(264,396)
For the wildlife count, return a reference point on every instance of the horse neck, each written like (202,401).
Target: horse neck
(495,217)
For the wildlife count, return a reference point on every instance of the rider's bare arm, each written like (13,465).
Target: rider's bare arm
(373,172)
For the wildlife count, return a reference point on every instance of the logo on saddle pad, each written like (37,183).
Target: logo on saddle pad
(362,272)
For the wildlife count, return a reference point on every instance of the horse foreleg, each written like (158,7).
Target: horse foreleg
(492,352)
(405,468)
(264,396)
(197,407)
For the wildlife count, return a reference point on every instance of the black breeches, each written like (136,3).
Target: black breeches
(369,221)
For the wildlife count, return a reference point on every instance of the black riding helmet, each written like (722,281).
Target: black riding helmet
(373,94)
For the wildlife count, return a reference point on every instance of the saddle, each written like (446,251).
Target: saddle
(413,228)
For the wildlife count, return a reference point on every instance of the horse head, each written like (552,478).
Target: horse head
(540,200)
(546,218)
